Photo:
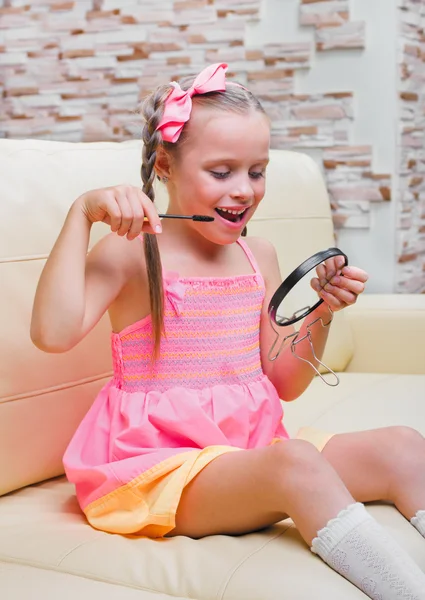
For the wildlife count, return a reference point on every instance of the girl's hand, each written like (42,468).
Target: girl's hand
(338,288)
(124,208)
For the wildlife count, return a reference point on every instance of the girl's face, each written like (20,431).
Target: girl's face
(220,171)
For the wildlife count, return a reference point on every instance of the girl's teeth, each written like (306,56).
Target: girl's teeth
(233,212)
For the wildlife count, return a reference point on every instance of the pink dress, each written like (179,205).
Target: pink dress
(153,428)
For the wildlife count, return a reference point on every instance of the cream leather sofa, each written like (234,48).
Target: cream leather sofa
(47,550)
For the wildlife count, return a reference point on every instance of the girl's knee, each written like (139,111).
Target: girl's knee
(298,455)
(399,442)
(408,436)
(300,470)
(402,453)
(408,447)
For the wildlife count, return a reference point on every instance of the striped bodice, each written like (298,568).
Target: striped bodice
(212,329)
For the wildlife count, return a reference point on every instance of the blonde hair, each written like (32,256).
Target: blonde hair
(235,98)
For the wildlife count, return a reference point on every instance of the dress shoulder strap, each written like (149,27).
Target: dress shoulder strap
(249,255)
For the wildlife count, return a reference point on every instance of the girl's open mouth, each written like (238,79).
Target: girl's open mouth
(234,216)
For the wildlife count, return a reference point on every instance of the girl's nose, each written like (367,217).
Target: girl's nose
(242,189)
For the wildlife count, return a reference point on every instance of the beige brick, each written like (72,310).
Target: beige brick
(271,74)
(62,6)
(179,60)
(409,96)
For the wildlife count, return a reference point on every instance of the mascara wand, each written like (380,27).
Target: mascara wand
(202,218)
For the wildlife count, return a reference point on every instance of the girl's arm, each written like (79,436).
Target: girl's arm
(76,289)
(288,374)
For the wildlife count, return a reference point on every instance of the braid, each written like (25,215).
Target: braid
(151,140)
(153,109)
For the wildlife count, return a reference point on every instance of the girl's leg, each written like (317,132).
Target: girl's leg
(382,464)
(248,490)
(244,491)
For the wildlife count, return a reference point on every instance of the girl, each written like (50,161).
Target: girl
(187,438)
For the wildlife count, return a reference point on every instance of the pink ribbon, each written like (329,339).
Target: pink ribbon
(178,104)
(175,291)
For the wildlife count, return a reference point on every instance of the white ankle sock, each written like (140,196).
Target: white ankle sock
(358,548)
(418,521)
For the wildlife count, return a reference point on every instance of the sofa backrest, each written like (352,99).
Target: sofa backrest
(44,396)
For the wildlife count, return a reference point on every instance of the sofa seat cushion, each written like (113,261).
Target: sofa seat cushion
(26,582)
(45,542)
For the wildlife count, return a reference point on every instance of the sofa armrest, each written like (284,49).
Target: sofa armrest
(389,333)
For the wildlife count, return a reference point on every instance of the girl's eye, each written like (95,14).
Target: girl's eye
(220,174)
(223,175)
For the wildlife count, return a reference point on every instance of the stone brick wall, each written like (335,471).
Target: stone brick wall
(411,141)
(76,70)
(352,185)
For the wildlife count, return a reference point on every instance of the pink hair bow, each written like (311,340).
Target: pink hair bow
(178,104)
(175,291)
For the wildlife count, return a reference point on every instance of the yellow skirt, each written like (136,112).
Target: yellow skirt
(317,437)
(147,505)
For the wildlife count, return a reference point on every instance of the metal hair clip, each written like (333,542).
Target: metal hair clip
(299,314)
(296,339)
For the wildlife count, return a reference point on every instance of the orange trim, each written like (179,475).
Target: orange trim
(200,375)
(222,312)
(147,505)
(207,354)
(136,335)
(232,292)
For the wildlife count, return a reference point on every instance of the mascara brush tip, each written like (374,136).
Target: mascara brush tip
(202,218)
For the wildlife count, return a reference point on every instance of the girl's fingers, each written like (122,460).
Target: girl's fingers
(351,285)
(326,270)
(339,263)
(315,284)
(126,211)
(154,222)
(336,298)
(321,274)
(344,296)
(355,273)
(337,285)
(138,214)
(113,213)
(147,228)
(331,268)
(334,302)
(334,266)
